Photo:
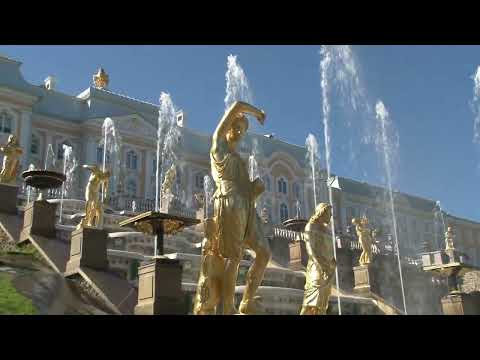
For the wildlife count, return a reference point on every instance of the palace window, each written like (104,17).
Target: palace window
(35,145)
(132,160)
(132,188)
(283,212)
(282,186)
(5,122)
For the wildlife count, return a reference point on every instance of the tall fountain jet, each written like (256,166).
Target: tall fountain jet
(387,144)
(238,88)
(69,166)
(255,169)
(49,158)
(336,64)
(111,150)
(168,137)
(313,162)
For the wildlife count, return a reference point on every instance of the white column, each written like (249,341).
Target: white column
(25,137)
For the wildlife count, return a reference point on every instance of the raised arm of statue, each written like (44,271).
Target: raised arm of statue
(229,118)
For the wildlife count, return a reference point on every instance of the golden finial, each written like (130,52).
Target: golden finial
(101,79)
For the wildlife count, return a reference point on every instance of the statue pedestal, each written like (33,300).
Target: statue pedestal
(298,256)
(39,219)
(365,280)
(8,194)
(88,248)
(160,288)
(461,304)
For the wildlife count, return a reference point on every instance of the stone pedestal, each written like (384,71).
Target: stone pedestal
(461,304)
(88,249)
(8,196)
(365,280)
(160,288)
(298,255)
(39,219)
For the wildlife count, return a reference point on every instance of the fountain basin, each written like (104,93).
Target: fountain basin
(43,179)
(295,224)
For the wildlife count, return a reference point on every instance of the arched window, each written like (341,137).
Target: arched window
(282,186)
(266,182)
(35,145)
(283,212)
(132,188)
(132,160)
(6,122)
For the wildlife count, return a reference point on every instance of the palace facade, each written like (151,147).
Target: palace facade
(40,115)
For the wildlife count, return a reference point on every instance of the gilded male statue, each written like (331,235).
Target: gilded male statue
(321,262)
(238,225)
(364,234)
(11,154)
(94,205)
(209,288)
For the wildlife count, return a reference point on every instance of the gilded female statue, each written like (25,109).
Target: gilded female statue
(238,225)
(11,153)
(321,262)
(94,205)
(364,234)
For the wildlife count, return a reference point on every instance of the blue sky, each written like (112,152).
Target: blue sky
(426,90)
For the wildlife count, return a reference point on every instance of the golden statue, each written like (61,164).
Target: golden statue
(169,180)
(449,239)
(209,288)
(94,205)
(364,234)
(321,262)
(238,224)
(100,79)
(11,153)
